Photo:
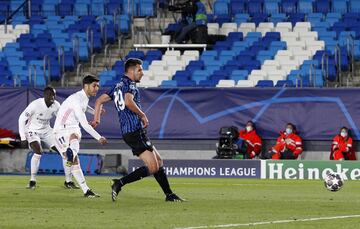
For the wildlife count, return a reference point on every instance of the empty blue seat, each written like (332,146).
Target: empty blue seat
(235,36)
(305,6)
(277,17)
(239,75)
(146,9)
(221,8)
(289,6)
(199,75)
(354,6)
(240,18)
(339,6)
(186,83)
(65,9)
(181,75)
(257,18)
(255,7)
(223,18)
(153,55)
(296,17)
(265,83)
(113,7)
(237,7)
(194,65)
(168,83)
(124,23)
(271,7)
(322,6)
(136,54)
(336,15)
(207,83)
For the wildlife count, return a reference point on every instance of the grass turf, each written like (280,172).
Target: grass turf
(142,205)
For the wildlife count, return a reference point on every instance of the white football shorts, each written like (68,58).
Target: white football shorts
(62,138)
(42,136)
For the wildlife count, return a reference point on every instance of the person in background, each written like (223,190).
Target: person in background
(67,133)
(251,145)
(342,146)
(288,145)
(35,129)
(193,16)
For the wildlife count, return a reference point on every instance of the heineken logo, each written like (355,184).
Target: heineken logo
(308,170)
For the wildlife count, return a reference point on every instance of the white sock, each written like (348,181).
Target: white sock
(67,171)
(35,163)
(79,177)
(75,146)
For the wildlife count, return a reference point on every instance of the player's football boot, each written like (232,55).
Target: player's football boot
(32,185)
(173,198)
(70,185)
(115,188)
(90,194)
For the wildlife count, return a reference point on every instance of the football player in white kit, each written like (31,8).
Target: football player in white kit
(67,132)
(34,128)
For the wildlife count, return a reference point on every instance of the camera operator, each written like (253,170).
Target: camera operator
(193,16)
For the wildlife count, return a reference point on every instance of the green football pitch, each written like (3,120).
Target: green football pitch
(212,203)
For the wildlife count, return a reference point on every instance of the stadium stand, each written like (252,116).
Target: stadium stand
(305,42)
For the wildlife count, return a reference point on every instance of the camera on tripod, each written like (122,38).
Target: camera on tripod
(227,148)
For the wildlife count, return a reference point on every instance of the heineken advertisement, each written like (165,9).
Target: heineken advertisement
(260,169)
(308,170)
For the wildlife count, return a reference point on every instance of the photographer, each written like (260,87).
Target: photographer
(193,18)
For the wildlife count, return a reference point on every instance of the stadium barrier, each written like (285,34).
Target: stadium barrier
(199,113)
(257,169)
(51,163)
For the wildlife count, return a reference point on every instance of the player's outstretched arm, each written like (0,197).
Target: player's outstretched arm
(90,110)
(131,105)
(24,116)
(104,98)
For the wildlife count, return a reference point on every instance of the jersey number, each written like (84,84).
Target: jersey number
(119,100)
(62,140)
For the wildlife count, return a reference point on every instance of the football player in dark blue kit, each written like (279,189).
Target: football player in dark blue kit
(133,122)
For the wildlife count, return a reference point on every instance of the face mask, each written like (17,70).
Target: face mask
(343,134)
(249,128)
(288,131)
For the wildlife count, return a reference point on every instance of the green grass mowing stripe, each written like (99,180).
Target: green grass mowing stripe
(271,222)
(142,205)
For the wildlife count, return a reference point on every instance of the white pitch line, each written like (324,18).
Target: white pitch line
(271,222)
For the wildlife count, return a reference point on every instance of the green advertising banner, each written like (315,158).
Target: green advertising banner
(308,170)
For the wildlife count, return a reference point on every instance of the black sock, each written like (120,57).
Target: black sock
(161,178)
(136,175)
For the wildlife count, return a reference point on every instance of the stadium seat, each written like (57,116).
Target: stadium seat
(221,8)
(289,6)
(226,83)
(265,83)
(245,83)
(237,7)
(322,6)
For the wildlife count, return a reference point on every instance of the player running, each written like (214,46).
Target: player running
(133,122)
(67,131)
(34,129)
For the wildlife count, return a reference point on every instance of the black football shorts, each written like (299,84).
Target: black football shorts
(138,141)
